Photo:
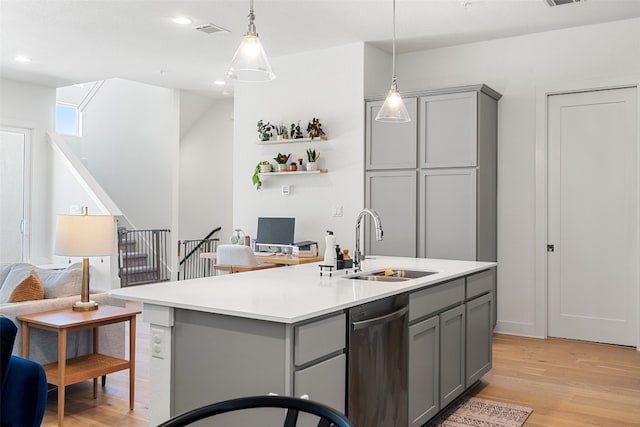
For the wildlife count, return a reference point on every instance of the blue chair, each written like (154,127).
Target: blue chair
(327,416)
(23,383)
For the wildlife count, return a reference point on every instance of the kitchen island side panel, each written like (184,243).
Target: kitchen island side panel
(218,357)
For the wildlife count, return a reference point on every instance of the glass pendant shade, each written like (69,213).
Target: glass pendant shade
(393,109)
(250,63)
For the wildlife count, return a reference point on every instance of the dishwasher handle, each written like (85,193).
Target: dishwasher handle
(381,319)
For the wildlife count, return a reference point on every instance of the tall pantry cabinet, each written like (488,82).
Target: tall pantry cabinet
(433,180)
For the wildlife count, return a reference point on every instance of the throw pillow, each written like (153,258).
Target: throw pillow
(61,283)
(28,290)
(18,273)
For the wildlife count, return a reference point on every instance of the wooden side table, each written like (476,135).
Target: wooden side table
(91,366)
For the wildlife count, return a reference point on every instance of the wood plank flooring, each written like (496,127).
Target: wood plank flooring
(567,383)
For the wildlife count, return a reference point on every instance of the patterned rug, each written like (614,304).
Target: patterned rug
(471,411)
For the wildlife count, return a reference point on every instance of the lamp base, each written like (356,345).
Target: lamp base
(85,306)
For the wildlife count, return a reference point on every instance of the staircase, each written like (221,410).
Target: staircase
(142,256)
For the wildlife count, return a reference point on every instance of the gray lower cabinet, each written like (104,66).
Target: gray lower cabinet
(218,357)
(479,337)
(452,354)
(393,195)
(424,366)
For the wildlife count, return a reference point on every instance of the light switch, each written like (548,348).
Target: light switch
(286,190)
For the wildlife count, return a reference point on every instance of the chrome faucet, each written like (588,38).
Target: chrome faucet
(359,256)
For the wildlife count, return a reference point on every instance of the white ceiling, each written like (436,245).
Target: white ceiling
(74,41)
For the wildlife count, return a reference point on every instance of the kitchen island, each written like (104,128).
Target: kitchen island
(285,331)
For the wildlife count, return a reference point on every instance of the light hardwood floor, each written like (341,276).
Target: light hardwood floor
(567,383)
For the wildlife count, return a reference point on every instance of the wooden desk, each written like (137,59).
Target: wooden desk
(91,366)
(274,259)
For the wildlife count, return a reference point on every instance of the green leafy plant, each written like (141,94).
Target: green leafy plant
(314,128)
(282,158)
(296,131)
(312,155)
(264,130)
(282,130)
(255,179)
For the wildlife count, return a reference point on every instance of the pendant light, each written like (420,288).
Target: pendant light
(250,63)
(393,109)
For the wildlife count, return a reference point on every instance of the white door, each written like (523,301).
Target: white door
(13,193)
(593,216)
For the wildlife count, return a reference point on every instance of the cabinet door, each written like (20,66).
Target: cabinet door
(424,354)
(452,354)
(448,130)
(479,337)
(391,145)
(447,224)
(393,195)
(323,382)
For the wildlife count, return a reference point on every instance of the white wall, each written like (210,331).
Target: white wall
(206,163)
(327,84)
(518,67)
(32,106)
(128,144)
(378,72)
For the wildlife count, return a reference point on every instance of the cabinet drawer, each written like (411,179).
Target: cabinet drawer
(480,283)
(436,298)
(319,338)
(323,382)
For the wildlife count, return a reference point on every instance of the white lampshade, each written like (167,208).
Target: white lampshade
(85,235)
(250,63)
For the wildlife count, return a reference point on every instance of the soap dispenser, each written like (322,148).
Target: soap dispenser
(329,249)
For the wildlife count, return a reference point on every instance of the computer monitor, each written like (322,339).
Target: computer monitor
(275,231)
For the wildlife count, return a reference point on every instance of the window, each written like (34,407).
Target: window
(68,119)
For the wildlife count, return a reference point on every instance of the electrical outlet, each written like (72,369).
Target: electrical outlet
(336,211)
(286,190)
(158,343)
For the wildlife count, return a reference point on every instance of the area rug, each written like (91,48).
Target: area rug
(475,412)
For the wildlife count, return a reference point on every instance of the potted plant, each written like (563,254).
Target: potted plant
(264,130)
(262,167)
(314,128)
(281,132)
(282,160)
(296,131)
(312,159)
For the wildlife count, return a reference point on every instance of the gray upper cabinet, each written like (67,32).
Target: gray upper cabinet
(391,145)
(448,130)
(455,165)
(393,195)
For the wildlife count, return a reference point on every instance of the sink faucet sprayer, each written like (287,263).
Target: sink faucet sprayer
(359,256)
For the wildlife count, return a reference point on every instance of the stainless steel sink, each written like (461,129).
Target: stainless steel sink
(389,275)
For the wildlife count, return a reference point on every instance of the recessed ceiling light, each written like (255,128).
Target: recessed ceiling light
(182,20)
(23,59)
(219,82)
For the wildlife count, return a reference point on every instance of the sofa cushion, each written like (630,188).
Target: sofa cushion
(5,268)
(62,283)
(28,290)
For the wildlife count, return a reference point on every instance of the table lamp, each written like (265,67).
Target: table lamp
(84,236)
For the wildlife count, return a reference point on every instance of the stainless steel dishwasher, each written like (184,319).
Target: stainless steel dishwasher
(377,378)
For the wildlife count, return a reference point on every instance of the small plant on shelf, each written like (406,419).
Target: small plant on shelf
(312,159)
(264,130)
(296,131)
(314,128)
(262,167)
(282,160)
(282,132)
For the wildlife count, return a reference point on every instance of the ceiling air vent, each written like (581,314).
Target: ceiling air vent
(210,29)
(552,3)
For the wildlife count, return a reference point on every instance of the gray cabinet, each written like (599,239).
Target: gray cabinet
(424,367)
(452,354)
(390,145)
(479,337)
(393,195)
(447,220)
(455,163)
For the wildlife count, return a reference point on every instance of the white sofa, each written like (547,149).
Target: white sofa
(61,290)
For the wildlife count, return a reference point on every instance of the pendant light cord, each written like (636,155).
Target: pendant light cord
(393,48)
(252,26)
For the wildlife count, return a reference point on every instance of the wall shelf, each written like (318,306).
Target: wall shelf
(292,140)
(287,173)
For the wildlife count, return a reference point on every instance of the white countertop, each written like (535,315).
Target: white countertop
(294,293)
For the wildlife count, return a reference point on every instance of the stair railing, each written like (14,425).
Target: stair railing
(193,266)
(142,256)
